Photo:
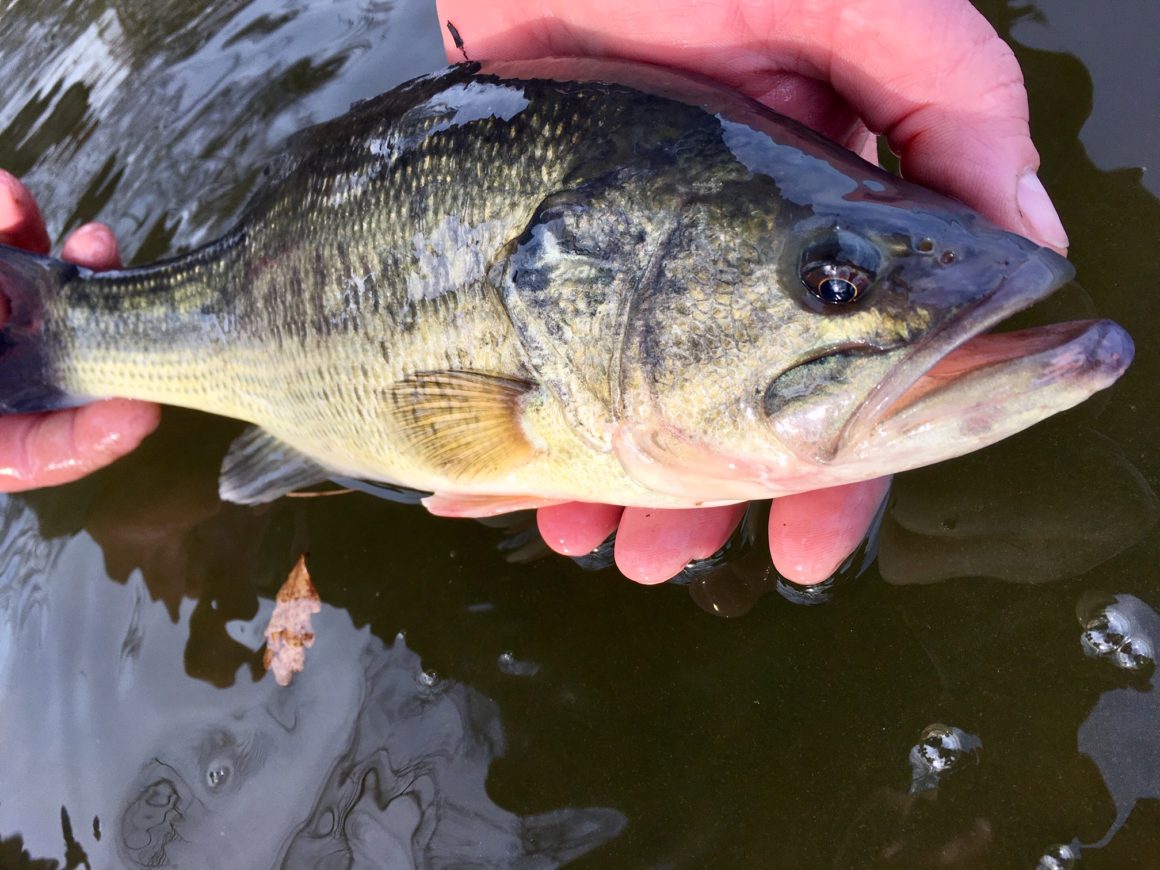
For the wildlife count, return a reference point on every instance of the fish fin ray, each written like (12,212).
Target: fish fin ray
(27,364)
(453,505)
(385,491)
(464,423)
(259,468)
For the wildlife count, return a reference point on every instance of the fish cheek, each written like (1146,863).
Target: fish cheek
(802,382)
(567,285)
(808,405)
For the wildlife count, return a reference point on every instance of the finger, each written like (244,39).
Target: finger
(514,30)
(47,449)
(933,76)
(654,545)
(812,533)
(812,102)
(94,246)
(21,225)
(949,96)
(576,527)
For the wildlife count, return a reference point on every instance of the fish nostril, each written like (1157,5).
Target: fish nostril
(948,257)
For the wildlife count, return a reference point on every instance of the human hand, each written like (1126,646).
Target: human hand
(45,449)
(933,77)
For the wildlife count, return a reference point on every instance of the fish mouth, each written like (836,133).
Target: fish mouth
(973,381)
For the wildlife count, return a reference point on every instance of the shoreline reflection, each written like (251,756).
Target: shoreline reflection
(361,760)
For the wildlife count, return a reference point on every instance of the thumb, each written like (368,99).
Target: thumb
(949,96)
(932,75)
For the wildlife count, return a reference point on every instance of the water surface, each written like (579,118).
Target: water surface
(979,695)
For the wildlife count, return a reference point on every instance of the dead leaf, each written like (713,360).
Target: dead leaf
(289,635)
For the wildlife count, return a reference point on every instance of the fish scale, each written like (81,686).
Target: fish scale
(561,280)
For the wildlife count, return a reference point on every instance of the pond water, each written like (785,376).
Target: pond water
(980,696)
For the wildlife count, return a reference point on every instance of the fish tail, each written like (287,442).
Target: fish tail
(28,285)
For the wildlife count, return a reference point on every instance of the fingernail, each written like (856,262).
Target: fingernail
(1039,215)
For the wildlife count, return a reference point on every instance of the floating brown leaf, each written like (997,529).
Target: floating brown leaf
(289,635)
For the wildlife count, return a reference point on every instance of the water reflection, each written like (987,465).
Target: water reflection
(209,92)
(361,761)
(780,738)
(1119,734)
(1018,512)
(1005,513)
(1118,51)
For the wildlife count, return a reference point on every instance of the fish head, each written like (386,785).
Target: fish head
(797,338)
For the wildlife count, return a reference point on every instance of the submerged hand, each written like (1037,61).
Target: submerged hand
(933,77)
(45,449)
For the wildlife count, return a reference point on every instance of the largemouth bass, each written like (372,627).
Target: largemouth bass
(520,283)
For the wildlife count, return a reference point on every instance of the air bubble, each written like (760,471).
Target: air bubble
(940,749)
(1058,857)
(1114,629)
(217,774)
(1105,632)
(513,667)
(1135,654)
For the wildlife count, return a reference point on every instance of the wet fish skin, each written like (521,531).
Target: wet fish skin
(507,283)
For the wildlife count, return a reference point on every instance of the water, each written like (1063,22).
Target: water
(531,707)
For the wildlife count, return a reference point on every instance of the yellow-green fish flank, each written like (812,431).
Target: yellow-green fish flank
(549,281)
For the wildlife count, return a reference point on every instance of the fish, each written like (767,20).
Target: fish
(516,284)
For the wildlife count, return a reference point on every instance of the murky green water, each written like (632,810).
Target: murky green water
(534,709)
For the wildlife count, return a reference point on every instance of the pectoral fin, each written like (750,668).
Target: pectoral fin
(464,424)
(259,468)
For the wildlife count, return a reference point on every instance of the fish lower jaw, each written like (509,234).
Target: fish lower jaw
(987,389)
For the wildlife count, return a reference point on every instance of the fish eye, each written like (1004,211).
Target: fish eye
(839,268)
(835,286)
